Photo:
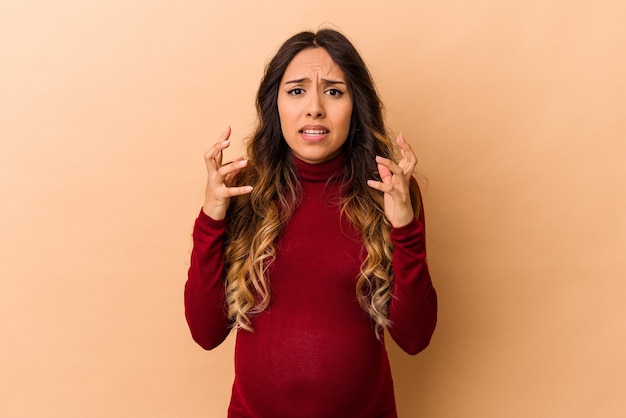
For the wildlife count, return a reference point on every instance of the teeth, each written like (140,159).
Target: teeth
(313,132)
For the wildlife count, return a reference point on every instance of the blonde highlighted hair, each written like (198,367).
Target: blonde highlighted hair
(256,220)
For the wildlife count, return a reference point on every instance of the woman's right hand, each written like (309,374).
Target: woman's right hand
(219,188)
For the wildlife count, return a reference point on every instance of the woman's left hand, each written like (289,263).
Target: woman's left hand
(395,184)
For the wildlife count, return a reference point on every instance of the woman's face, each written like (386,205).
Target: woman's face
(315,106)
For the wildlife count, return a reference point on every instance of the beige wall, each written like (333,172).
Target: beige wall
(515,108)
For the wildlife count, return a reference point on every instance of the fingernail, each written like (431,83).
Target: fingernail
(242,163)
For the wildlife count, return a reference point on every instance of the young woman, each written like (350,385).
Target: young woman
(313,244)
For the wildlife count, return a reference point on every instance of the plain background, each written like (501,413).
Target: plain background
(516,110)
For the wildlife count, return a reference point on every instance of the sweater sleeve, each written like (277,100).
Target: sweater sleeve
(205,303)
(413,306)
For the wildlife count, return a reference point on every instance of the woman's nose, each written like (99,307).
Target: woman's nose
(315,107)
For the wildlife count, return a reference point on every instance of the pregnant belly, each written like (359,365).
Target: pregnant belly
(309,365)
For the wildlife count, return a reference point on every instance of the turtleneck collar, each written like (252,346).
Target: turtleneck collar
(321,171)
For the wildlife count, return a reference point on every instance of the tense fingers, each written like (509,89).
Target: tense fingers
(221,177)
(229,171)
(408,159)
(389,166)
(394,182)
(213,157)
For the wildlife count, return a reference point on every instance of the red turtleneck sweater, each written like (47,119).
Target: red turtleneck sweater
(313,352)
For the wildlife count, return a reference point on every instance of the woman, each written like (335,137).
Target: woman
(312,245)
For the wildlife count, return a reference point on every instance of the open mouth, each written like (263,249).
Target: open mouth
(314,132)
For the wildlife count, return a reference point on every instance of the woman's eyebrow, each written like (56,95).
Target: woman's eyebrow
(298,81)
(333,82)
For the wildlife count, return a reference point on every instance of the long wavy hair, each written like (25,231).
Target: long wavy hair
(256,220)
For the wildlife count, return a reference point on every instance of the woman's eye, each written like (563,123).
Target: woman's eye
(296,92)
(334,92)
